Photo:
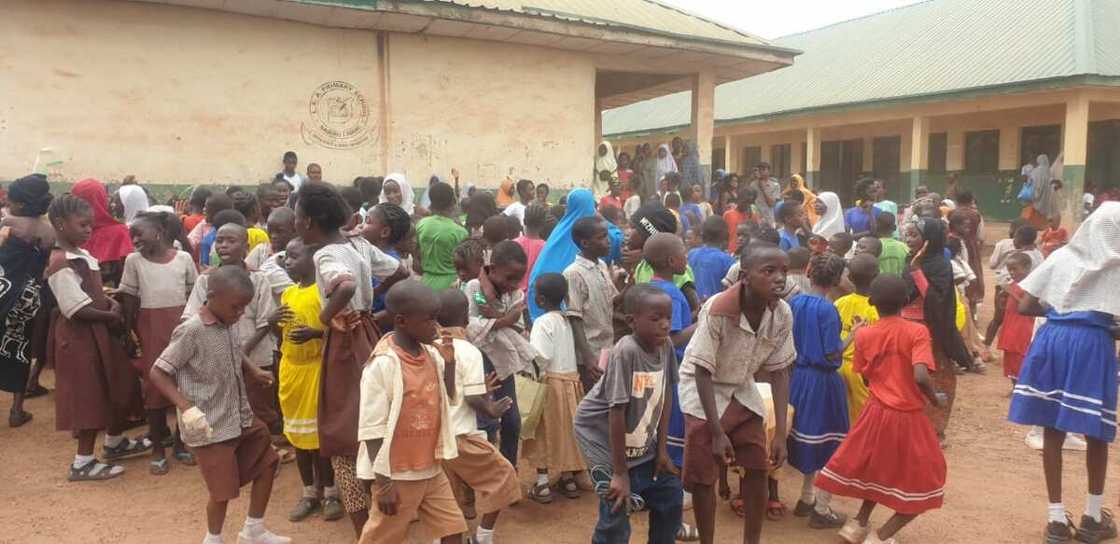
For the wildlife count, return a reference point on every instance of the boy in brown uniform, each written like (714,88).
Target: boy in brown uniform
(203,374)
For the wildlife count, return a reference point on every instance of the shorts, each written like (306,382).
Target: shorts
(430,501)
(228,465)
(747,433)
(483,468)
(355,496)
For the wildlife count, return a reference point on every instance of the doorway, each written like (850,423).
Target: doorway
(886,165)
(841,164)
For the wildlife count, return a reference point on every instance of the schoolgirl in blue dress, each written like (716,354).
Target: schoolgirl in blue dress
(1068,380)
(817,392)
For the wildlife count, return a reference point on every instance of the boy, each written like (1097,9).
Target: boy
(797,281)
(741,214)
(214,204)
(479,464)
(710,262)
(437,235)
(791,217)
(495,328)
(673,204)
(385,226)
(525,194)
(1054,237)
(269,258)
(249,206)
(894,255)
(591,296)
(869,245)
(495,229)
(195,207)
(204,376)
(840,244)
(289,174)
(553,447)
(207,255)
(621,424)
(743,333)
(408,375)
(856,309)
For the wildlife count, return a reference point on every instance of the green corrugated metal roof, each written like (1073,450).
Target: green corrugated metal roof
(931,48)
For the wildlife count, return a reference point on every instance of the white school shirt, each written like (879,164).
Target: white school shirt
(470,381)
(552,336)
(517,209)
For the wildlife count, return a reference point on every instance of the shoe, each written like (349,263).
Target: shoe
(803,509)
(830,520)
(1058,533)
(854,533)
(873,538)
(263,536)
(1092,531)
(305,507)
(1074,442)
(1034,438)
(332,509)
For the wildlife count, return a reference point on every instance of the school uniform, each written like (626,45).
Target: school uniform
(395,384)
(816,391)
(204,359)
(553,446)
(93,381)
(1015,333)
(300,368)
(591,296)
(710,265)
(162,289)
(892,455)
(849,307)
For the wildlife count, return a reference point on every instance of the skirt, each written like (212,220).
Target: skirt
(1068,380)
(299,403)
(857,391)
(820,422)
(891,458)
(93,381)
(344,356)
(1012,364)
(555,444)
(154,327)
(945,381)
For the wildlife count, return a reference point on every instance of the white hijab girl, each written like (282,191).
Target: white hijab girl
(832,222)
(396,190)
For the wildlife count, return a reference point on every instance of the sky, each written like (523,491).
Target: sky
(776,18)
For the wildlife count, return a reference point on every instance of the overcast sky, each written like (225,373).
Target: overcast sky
(774,19)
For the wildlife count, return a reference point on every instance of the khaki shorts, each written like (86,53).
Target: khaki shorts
(747,433)
(228,465)
(483,468)
(429,501)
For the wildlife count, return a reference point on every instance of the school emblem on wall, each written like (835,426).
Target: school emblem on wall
(338,117)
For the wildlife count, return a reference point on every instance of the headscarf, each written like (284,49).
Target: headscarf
(833,220)
(560,250)
(426,198)
(134,200)
(940,305)
(797,183)
(1044,200)
(664,166)
(109,240)
(407,195)
(691,172)
(505,193)
(647,173)
(604,163)
(161,208)
(1082,276)
(33,192)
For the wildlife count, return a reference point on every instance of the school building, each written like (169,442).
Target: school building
(973,87)
(197,91)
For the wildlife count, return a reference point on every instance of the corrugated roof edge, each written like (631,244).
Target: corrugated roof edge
(1020,86)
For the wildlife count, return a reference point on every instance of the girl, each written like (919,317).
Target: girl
(93,380)
(109,242)
(300,356)
(1015,335)
(1068,380)
(25,243)
(817,392)
(154,288)
(536,217)
(831,220)
(396,190)
(344,271)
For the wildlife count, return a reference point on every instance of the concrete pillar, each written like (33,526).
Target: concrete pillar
(730,155)
(795,157)
(919,153)
(812,156)
(703,120)
(1075,136)
(1009,148)
(598,136)
(868,145)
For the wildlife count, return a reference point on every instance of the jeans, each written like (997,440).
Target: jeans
(663,498)
(510,422)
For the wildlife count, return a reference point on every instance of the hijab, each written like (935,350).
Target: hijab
(833,220)
(604,163)
(134,200)
(647,173)
(1082,275)
(940,305)
(110,240)
(663,165)
(797,183)
(407,195)
(505,194)
(560,250)
(1044,200)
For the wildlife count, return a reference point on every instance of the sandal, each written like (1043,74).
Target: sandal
(737,506)
(568,488)
(19,419)
(687,533)
(127,448)
(159,467)
(775,510)
(541,493)
(94,471)
(36,391)
(286,455)
(185,457)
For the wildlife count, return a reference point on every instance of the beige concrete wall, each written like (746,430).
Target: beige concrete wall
(180,95)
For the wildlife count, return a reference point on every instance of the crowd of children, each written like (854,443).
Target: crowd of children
(638,344)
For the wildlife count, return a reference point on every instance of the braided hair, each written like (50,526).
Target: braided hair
(396,219)
(322,204)
(66,206)
(469,250)
(825,270)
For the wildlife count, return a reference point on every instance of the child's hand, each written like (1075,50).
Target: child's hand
(498,408)
(280,315)
(5,233)
(722,450)
(387,498)
(301,334)
(446,348)
(619,491)
(194,423)
(258,376)
(857,324)
(489,312)
(492,382)
(942,400)
(777,453)
(117,313)
(664,465)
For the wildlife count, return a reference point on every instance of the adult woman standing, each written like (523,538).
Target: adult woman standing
(1044,203)
(965,221)
(665,163)
(606,170)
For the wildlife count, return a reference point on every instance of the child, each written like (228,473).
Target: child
(525,194)
(743,212)
(840,244)
(409,375)
(892,456)
(856,310)
(710,263)
(479,464)
(1054,237)
(893,253)
(495,328)
(797,281)
(673,204)
(1015,335)
(386,226)
(744,332)
(214,203)
(93,382)
(468,259)
(817,392)
(635,201)
(647,221)
(204,376)
(269,258)
(249,206)
(195,207)
(621,425)
(437,236)
(591,297)
(494,231)
(301,353)
(344,272)
(613,198)
(207,250)
(791,217)
(154,288)
(869,245)
(532,242)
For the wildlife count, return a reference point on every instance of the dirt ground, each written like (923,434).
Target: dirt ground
(994,494)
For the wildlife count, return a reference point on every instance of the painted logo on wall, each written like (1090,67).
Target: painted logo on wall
(338,117)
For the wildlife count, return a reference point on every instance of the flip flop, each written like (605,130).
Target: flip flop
(36,391)
(775,510)
(18,419)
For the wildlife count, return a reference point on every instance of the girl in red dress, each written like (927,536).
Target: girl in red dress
(1017,330)
(891,456)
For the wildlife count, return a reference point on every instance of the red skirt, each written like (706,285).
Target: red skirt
(154,327)
(345,353)
(891,458)
(1012,363)
(93,382)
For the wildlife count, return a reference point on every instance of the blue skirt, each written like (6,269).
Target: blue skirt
(1068,380)
(674,436)
(820,418)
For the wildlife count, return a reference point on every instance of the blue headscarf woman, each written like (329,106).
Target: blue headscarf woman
(560,250)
